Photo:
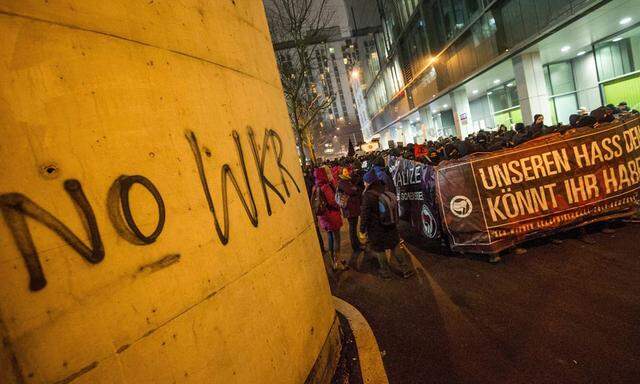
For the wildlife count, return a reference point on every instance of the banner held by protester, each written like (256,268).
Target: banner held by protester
(415,189)
(492,201)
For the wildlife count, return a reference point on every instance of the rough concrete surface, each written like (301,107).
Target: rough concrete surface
(116,117)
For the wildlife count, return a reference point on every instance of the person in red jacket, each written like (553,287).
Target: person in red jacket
(329,219)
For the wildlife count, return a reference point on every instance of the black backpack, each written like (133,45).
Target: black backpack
(387,207)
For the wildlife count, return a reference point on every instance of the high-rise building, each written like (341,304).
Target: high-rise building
(333,61)
(453,67)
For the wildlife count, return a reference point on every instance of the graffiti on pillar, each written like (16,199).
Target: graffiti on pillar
(119,209)
(226,174)
(15,207)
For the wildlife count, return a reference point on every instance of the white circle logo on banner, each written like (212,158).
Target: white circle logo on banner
(429,227)
(461,206)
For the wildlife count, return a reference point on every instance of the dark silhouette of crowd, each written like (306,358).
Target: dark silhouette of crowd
(359,188)
(451,148)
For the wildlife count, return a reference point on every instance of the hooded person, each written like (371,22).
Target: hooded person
(603,114)
(351,198)
(329,218)
(335,172)
(574,119)
(384,240)
(382,174)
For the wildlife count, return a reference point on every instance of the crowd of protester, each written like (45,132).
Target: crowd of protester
(365,199)
(451,148)
(360,189)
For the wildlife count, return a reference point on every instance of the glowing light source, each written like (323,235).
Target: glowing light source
(566,48)
(624,21)
(581,53)
(496,81)
(475,91)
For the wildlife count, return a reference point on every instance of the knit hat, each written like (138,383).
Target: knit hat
(370,177)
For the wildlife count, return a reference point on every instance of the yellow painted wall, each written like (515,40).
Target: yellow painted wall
(93,90)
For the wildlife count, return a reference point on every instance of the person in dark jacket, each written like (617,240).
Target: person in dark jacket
(329,220)
(383,239)
(351,212)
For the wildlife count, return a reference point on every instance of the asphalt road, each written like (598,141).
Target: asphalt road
(567,313)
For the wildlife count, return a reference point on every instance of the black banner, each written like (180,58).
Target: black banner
(415,189)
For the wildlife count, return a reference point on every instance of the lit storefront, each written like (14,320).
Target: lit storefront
(469,67)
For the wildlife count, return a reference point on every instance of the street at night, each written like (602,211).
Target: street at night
(561,313)
(320,191)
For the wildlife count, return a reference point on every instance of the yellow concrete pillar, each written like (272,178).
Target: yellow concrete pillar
(154,222)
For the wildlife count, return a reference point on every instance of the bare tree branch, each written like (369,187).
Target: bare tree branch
(303,25)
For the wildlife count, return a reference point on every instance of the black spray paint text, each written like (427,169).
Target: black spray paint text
(15,207)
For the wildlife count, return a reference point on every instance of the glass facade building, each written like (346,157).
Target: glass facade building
(453,67)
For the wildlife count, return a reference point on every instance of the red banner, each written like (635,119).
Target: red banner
(492,201)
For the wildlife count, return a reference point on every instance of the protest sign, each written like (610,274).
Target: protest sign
(415,189)
(492,201)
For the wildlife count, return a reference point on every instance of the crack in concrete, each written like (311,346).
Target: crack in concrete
(77,374)
(286,243)
(112,35)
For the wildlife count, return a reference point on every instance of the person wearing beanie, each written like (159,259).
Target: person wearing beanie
(370,177)
(538,120)
(537,128)
(383,240)
(351,195)
(574,119)
(383,175)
